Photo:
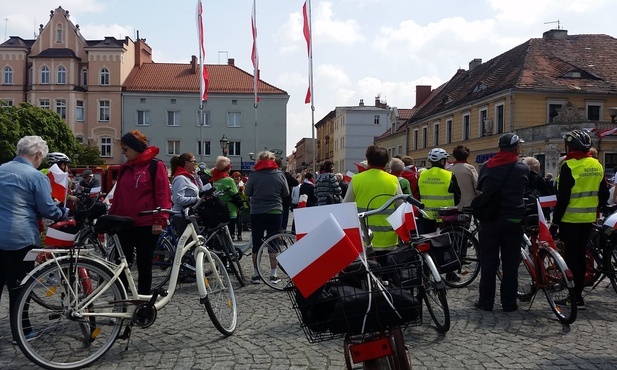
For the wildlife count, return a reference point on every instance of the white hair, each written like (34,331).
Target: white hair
(266,155)
(30,145)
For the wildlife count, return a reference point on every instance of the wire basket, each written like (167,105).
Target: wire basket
(339,308)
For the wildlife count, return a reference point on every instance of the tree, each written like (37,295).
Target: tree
(88,155)
(26,119)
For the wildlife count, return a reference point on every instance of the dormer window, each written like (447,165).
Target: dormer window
(573,74)
(59,33)
(480,87)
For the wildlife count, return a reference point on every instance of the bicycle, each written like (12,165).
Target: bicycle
(602,250)
(271,246)
(545,269)
(78,325)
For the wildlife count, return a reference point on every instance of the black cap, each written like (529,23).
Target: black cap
(86,173)
(509,141)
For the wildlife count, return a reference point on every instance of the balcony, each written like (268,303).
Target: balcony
(558,130)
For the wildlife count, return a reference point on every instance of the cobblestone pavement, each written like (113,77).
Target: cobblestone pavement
(268,336)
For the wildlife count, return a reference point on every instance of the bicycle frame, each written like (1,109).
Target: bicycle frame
(531,258)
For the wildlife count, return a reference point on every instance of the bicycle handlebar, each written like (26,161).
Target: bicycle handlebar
(158,210)
(405,197)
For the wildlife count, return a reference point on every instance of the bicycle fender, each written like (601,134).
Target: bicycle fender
(561,262)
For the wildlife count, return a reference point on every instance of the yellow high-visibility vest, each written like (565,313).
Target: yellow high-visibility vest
(434,184)
(588,174)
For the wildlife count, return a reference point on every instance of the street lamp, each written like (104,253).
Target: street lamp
(251,155)
(224,144)
(613,113)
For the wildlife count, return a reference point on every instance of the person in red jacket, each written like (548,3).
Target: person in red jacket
(136,191)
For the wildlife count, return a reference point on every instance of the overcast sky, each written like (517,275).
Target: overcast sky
(361,48)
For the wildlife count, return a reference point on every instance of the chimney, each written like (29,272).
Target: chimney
(557,34)
(194,66)
(422,92)
(231,61)
(474,63)
(361,102)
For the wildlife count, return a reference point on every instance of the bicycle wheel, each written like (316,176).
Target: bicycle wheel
(561,298)
(611,267)
(401,353)
(527,286)
(467,247)
(220,301)
(162,261)
(61,334)
(229,254)
(436,301)
(592,270)
(271,247)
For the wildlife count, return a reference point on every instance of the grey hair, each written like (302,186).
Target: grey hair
(30,145)
(533,164)
(266,155)
(339,176)
(397,165)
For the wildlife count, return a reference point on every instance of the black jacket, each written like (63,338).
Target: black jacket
(512,205)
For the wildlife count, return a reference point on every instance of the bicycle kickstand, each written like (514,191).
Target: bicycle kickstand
(126,334)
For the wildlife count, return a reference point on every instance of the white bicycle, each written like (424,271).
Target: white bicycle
(72,308)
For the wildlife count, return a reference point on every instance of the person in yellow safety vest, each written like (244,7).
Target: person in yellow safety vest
(370,189)
(581,189)
(438,188)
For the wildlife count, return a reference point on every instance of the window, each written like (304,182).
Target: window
(104,76)
(142,100)
(203,118)
(234,148)
(424,137)
(59,33)
(173,118)
(484,122)
(6,102)
(449,131)
(173,101)
(173,147)
(499,119)
(143,117)
(44,103)
(203,148)
(104,107)
(61,108)
(553,110)
(105,147)
(61,75)
(233,119)
(466,128)
(376,119)
(79,111)
(8,76)
(436,133)
(594,111)
(415,139)
(84,77)
(400,149)
(44,75)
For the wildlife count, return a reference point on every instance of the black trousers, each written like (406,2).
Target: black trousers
(140,241)
(500,237)
(13,269)
(574,237)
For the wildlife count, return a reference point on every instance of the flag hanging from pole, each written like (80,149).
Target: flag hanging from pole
(204,77)
(255,54)
(309,47)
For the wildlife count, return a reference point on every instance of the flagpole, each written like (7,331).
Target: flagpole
(203,75)
(309,40)
(255,60)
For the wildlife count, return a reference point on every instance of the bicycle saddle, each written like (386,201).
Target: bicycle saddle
(111,224)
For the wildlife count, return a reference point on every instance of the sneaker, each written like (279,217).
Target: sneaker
(239,238)
(29,337)
(256,279)
(275,279)
(566,302)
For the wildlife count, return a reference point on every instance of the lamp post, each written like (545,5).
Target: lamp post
(224,145)
(251,155)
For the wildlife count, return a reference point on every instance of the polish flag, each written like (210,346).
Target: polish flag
(410,218)
(319,256)
(306,29)
(606,132)
(110,195)
(348,176)
(95,191)
(204,78)
(548,201)
(544,234)
(346,214)
(255,54)
(360,167)
(397,220)
(59,181)
(302,201)
(57,238)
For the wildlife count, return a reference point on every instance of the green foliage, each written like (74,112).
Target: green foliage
(88,155)
(26,119)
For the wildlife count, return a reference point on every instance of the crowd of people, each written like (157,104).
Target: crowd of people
(270,194)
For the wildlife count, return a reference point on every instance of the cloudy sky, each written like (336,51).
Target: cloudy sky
(361,48)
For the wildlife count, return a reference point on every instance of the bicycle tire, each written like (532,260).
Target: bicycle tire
(230,255)
(401,353)
(527,285)
(436,301)
(555,286)
(220,301)
(270,248)
(592,268)
(611,267)
(468,249)
(63,342)
(162,262)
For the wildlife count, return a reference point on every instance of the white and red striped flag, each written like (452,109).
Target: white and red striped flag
(302,201)
(57,238)
(59,181)
(204,77)
(410,218)
(255,54)
(346,214)
(548,201)
(306,29)
(544,234)
(347,177)
(397,220)
(110,195)
(608,131)
(319,256)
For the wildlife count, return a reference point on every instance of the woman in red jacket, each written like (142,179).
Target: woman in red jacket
(137,190)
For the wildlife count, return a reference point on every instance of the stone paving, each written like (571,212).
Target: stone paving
(269,336)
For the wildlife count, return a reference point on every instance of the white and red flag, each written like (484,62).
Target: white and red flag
(59,181)
(204,77)
(603,133)
(347,177)
(110,195)
(403,221)
(306,29)
(57,238)
(548,201)
(302,201)
(255,54)
(410,218)
(544,234)
(346,214)
(319,256)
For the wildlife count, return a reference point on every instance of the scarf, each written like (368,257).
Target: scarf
(577,155)
(501,158)
(217,175)
(265,164)
(181,171)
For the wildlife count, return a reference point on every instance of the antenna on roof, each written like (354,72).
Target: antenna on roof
(557,21)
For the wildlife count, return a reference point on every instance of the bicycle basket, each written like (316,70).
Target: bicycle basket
(212,212)
(443,253)
(338,309)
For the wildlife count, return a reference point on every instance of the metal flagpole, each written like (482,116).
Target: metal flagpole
(310,51)
(255,60)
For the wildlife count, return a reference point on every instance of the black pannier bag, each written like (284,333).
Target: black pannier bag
(212,212)
(443,253)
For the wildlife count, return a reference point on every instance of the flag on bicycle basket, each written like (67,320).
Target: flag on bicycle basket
(59,181)
(401,223)
(346,214)
(548,201)
(319,256)
(58,238)
(544,234)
